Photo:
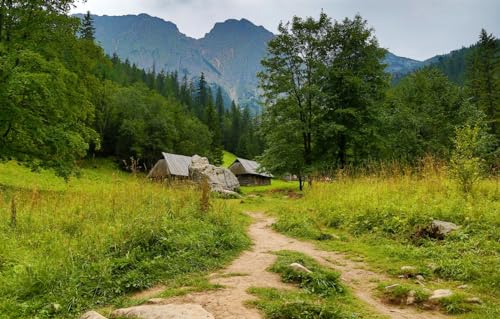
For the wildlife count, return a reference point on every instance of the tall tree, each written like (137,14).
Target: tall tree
(290,82)
(87,29)
(354,88)
(235,132)
(219,104)
(321,82)
(201,97)
(484,79)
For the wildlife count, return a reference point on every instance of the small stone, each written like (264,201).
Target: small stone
(300,268)
(155,301)
(463,287)
(440,293)
(171,311)
(92,315)
(56,307)
(401,276)
(443,228)
(420,277)
(392,286)
(475,300)
(410,299)
(408,270)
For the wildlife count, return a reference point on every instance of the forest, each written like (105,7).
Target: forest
(60,105)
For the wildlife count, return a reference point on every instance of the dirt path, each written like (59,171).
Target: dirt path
(228,303)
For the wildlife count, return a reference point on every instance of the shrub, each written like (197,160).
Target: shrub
(467,163)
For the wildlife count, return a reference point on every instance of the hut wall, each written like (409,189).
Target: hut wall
(253,180)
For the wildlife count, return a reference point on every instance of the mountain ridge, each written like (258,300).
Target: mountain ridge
(229,54)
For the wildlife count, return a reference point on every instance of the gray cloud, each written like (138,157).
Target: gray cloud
(415,29)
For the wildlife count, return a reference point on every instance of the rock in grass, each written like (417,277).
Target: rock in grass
(420,277)
(408,271)
(300,268)
(437,229)
(463,287)
(92,315)
(440,294)
(443,228)
(223,193)
(171,311)
(390,287)
(219,178)
(475,300)
(411,298)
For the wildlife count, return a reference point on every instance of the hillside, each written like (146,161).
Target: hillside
(229,54)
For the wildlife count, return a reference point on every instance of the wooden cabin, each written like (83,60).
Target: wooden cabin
(248,173)
(172,166)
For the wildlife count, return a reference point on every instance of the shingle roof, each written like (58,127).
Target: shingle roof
(252,167)
(177,164)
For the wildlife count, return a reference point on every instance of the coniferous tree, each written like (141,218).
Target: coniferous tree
(219,104)
(484,79)
(234,134)
(87,29)
(201,97)
(212,120)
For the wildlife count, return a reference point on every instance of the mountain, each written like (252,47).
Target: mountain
(229,54)
(400,65)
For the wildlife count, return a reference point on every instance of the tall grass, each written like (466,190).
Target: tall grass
(88,242)
(377,214)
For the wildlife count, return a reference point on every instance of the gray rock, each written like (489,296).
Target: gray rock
(411,298)
(219,178)
(408,271)
(228,194)
(440,293)
(420,277)
(300,268)
(171,311)
(475,300)
(92,315)
(463,287)
(443,228)
(390,287)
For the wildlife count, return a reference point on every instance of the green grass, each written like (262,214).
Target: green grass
(278,186)
(90,242)
(376,218)
(321,295)
(228,159)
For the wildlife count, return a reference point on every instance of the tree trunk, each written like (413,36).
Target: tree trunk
(301,185)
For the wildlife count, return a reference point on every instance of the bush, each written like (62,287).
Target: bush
(467,163)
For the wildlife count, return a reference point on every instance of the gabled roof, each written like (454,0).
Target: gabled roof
(251,167)
(178,165)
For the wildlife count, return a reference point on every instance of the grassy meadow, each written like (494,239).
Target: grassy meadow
(91,241)
(374,218)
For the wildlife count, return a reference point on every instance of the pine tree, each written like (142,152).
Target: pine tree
(201,97)
(219,104)
(87,29)
(234,137)
(484,79)
(212,121)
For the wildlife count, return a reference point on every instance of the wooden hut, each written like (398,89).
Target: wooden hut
(172,166)
(248,173)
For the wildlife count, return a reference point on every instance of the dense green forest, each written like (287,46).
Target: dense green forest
(62,99)
(328,101)
(329,104)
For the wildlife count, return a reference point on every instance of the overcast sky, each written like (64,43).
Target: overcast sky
(416,29)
